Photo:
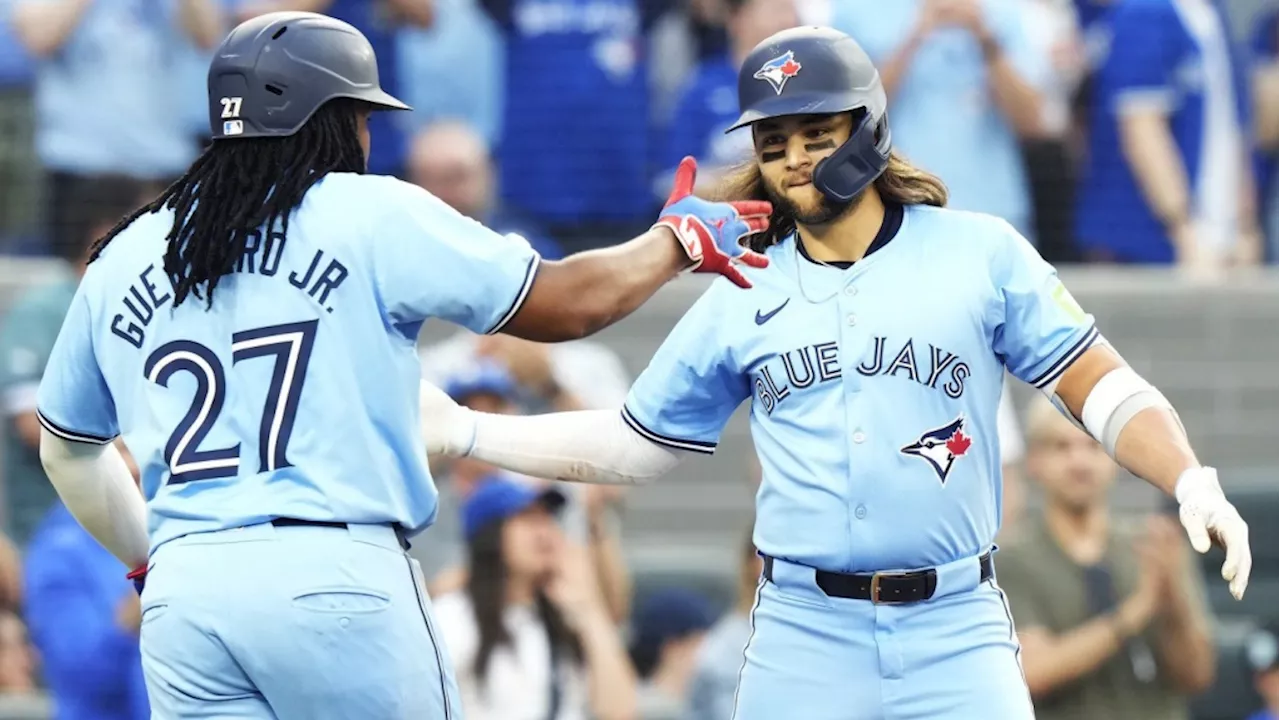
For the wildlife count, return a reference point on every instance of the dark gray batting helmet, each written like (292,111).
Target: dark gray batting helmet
(273,72)
(820,71)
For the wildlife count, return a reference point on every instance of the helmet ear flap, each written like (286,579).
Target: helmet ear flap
(857,163)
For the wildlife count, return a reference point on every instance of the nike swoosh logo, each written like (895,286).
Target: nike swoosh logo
(762,319)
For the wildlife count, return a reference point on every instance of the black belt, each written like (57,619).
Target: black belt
(886,587)
(295,522)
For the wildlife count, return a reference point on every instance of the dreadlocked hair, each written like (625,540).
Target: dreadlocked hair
(236,187)
(901,183)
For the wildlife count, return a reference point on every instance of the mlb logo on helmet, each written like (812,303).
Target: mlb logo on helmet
(779,70)
(233,127)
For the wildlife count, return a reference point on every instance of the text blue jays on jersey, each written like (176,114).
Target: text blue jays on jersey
(816,364)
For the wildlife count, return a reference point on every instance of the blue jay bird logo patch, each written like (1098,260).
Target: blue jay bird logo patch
(779,70)
(941,447)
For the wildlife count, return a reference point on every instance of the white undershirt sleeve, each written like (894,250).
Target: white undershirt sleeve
(590,446)
(98,489)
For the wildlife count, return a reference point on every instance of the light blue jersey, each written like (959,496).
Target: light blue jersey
(296,394)
(874,390)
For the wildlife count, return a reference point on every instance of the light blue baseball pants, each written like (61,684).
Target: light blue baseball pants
(292,622)
(817,657)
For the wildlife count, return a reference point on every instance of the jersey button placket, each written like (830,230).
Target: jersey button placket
(851,351)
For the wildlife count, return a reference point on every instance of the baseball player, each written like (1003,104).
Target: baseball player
(251,336)
(872,352)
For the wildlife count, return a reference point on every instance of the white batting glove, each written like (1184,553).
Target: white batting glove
(1208,517)
(448,428)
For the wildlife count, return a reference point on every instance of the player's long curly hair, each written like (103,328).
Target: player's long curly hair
(901,183)
(236,187)
(487,588)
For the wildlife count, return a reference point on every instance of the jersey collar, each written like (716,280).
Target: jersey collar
(893,214)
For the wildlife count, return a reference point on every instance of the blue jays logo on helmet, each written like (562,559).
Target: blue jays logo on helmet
(779,70)
(941,447)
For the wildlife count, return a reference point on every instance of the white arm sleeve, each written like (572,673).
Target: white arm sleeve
(590,446)
(95,484)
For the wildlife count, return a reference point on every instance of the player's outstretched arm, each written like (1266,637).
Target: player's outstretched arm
(588,446)
(95,484)
(1140,429)
(589,291)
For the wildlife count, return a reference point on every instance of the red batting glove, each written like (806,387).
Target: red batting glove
(139,577)
(712,233)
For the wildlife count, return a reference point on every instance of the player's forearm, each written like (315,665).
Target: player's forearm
(1149,148)
(97,488)
(611,681)
(44,27)
(1127,417)
(588,291)
(1153,447)
(1054,663)
(590,446)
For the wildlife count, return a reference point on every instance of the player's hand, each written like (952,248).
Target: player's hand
(711,233)
(1210,519)
(448,429)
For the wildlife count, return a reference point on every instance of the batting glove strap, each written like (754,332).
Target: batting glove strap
(689,231)
(139,577)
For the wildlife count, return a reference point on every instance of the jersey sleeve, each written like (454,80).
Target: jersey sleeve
(1139,69)
(690,389)
(429,260)
(1042,329)
(73,401)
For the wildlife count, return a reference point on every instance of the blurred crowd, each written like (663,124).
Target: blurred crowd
(1107,131)
(1122,131)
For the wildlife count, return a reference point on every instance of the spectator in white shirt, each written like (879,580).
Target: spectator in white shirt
(530,636)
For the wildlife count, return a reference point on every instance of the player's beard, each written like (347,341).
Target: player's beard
(826,211)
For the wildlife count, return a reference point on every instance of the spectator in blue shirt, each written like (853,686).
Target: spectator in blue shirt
(574,153)
(1167,177)
(452,70)
(1266,99)
(84,616)
(104,88)
(708,102)
(964,80)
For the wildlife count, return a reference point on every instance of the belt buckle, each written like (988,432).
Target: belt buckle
(875,587)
